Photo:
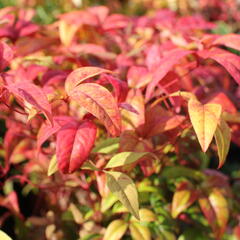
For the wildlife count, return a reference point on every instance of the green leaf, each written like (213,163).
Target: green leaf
(89,166)
(124,188)
(52,168)
(115,230)
(107,202)
(4,236)
(223,139)
(124,158)
(107,146)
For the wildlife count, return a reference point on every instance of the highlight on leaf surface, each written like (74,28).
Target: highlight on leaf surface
(204,118)
(124,188)
(52,168)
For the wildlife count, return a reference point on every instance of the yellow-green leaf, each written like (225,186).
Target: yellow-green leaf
(147,215)
(107,146)
(107,202)
(52,168)
(124,188)
(115,230)
(220,206)
(204,118)
(124,158)
(4,236)
(139,231)
(223,139)
(77,215)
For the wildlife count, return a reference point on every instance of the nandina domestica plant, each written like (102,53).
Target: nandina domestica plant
(110,125)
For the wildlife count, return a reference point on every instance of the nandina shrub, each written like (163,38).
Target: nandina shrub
(108,124)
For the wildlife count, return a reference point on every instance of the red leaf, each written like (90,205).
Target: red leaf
(99,101)
(6,55)
(34,95)
(228,60)
(74,143)
(79,75)
(47,130)
(166,64)
(230,40)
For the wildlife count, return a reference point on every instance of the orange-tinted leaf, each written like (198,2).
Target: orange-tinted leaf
(204,119)
(32,96)
(74,143)
(159,120)
(99,101)
(79,75)
(183,197)
(220,206)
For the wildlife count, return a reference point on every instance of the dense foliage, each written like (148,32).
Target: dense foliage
(115,127)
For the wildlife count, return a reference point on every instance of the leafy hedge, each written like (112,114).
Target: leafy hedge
(115,127)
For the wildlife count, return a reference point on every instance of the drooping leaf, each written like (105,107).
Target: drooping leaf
(32,97)
(223,139)
(99,101)
(4,236)
(204,119)
(165,65)
(124,188)
(79,75)
(220,206)
(139,231)
(74,143)
(115,230)
(107,146)
(124,158)
(52,168)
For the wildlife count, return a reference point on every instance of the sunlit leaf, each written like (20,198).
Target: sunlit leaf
(99,101)
(139,231)
(4,236)
(115,230)
(52,168)
(124,158)
(124,188)
(204,119)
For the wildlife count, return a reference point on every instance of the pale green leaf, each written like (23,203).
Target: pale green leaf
(124,188)
(107,202)
(223,139)
(124,158)
(115,230)
(89,166)
(52,168)
(4,236)
(107,146)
